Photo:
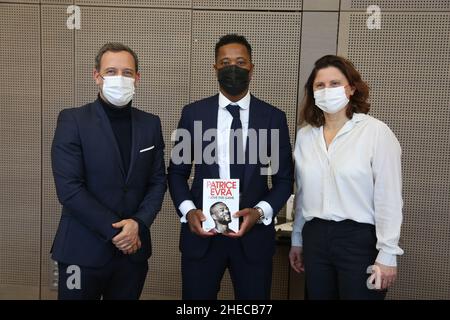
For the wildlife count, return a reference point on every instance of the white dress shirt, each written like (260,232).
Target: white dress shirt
(224,119)
(357,178)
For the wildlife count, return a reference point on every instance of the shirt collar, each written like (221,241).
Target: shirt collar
(357,117)
(244,103)
(113,111)
(349,125)
(352,123)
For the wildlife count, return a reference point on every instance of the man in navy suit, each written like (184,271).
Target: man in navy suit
(108,166)
(239,120)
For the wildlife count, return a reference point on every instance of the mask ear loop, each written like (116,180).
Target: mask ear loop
(350,99)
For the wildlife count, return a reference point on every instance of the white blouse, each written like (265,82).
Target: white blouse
(357,178)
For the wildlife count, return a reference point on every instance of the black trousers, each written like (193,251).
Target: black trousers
(119,279)
(336,256)
(202,277)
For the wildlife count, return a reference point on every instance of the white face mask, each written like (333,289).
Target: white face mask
(331,100)
(118,90)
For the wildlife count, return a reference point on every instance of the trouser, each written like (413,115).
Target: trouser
(119,279)
(336,257)
(202,277)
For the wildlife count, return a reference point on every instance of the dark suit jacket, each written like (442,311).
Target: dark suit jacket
(93,189)
(259,242)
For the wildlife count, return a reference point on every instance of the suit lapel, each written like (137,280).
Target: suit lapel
(107,129)
(210,122)
(256,120)
(134,141)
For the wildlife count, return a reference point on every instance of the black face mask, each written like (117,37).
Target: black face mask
(233,80)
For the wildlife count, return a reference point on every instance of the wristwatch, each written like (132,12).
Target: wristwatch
(261,215)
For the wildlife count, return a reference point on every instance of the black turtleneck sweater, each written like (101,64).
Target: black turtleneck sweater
(120,119)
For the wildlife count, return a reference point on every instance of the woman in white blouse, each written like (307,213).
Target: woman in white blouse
(348,201)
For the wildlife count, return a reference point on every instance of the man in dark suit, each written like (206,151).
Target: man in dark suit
(239,120)
(108,166)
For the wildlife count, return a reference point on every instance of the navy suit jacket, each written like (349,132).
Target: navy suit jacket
(259,242)
(92,186)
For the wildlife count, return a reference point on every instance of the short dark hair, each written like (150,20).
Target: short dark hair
(114,47)
(312,114)
(233,38)
(216,204)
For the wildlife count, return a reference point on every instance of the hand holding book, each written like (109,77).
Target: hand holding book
(250,218)
(195,218)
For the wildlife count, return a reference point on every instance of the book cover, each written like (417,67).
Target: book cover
(220,202)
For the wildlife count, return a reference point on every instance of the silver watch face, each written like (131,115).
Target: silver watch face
(261,214)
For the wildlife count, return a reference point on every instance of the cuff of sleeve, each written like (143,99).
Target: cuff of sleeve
(387,259)
(144,218)
(268,212)
(138,220)
(109,233)
(296,239)
(185,207)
